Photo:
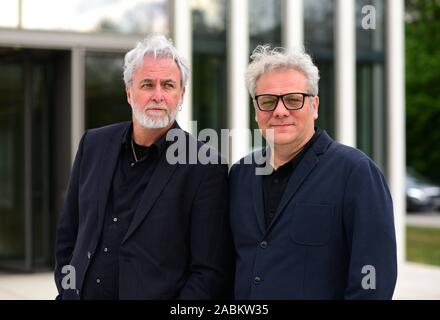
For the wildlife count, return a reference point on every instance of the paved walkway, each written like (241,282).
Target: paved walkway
(36,286)
(416,281)
(431,219)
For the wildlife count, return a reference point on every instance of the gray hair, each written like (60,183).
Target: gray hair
(158,47)
(265,59)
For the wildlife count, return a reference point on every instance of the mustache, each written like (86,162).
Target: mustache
(281,124)
(154,105)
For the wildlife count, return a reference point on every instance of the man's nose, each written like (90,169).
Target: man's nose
(280,110)
(157,94)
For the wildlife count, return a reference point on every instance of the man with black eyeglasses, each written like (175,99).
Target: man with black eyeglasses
(319,224)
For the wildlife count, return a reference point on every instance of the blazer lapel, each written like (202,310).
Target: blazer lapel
(257,199)
(161,175)
(257,193)
(304,168)
(296,179)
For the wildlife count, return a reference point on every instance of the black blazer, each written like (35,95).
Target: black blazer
(332,236)
(178,245)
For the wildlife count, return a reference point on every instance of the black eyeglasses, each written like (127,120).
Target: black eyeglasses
(292,100)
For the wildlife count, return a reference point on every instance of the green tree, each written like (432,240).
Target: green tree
(422,86)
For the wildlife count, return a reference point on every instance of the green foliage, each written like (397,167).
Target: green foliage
(422,86)
(423,245)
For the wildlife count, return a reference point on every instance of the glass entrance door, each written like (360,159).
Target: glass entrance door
(26,78)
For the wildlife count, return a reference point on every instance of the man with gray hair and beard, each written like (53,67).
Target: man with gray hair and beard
(133,225)
(319,225)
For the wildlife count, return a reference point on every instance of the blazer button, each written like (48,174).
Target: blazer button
(263,244)
(89,255)
(257,280)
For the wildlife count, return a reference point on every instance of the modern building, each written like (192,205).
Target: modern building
(61,73)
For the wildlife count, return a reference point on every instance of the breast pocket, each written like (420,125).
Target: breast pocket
(311,224)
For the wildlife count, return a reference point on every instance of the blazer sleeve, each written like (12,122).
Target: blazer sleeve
(369,225)
(212,255)
(68,221)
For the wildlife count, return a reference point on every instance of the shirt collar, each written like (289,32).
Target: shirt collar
(160,145)
(307,146)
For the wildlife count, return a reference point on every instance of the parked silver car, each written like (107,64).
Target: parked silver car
(421,194)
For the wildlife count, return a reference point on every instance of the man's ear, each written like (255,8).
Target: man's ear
(128,92)
(255,109)
(181,97)
(315,107)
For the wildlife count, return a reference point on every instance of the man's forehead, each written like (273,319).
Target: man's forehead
(158,62)
(282,78)
(155,68)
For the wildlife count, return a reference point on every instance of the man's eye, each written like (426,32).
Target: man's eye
(268,102)
(169,85)
(147,85)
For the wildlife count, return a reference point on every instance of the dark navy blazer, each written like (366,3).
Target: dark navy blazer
(178,245)
(332,236)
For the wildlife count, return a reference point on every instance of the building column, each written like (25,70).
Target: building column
(182,37)
(237,61)
(77,98)
(345,72)
(395,59)
(292,12)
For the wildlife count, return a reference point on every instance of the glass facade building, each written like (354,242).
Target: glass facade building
(61,73)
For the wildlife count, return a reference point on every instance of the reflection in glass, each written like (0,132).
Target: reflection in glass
(134,16)
(371,111)
(12,246)
(318,41)
(318,25)
(326,109)
(26,81)
(208,16)
(370,80)
(265,23)
(41,101)
(209,64)
(264,28)
(105,98)
(369,40)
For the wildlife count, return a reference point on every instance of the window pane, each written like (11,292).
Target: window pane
(42,83)
(135,16)
(318,25)
(318,41)
(12,247)
(368,40)
(209,64)
(264,23)
(106,101)
(370,80)
(326,110)
(264,28)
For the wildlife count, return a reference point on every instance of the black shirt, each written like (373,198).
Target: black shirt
(129,182)
(275,183)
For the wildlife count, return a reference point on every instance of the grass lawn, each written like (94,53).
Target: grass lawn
(423,245)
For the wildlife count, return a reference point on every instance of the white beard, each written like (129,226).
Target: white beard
(151,122)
